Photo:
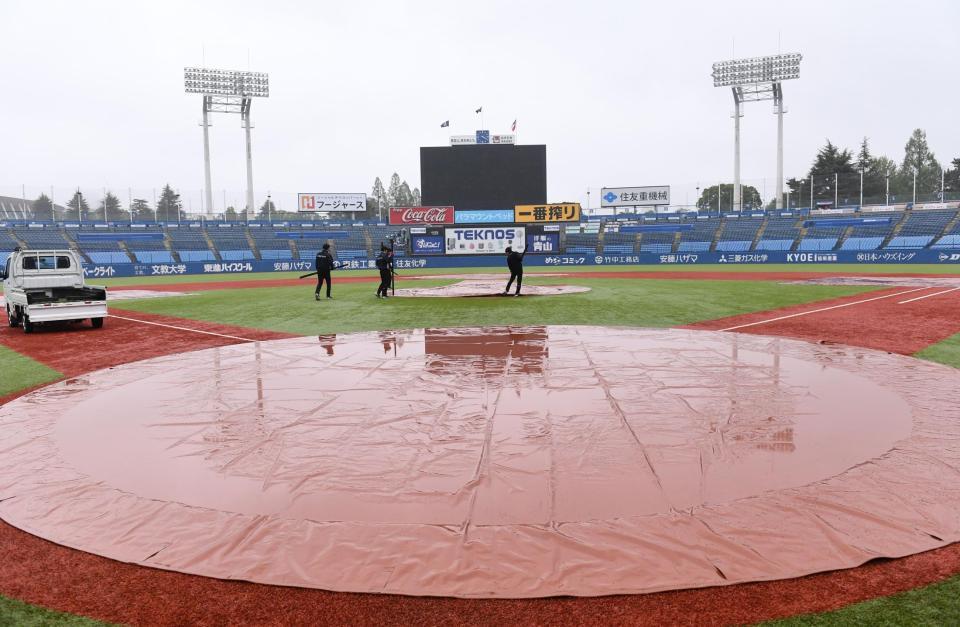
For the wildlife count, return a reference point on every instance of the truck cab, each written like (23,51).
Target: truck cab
(43,286)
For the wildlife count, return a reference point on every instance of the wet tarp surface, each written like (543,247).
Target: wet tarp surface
(496,462)
(488,287)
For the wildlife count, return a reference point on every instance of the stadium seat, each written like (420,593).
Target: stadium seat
(774,244)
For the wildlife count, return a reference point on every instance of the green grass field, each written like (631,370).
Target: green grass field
(612,301)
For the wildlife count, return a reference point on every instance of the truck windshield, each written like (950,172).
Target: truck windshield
(46,262)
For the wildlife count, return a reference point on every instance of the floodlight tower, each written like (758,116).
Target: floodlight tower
(226,91)
(753,80)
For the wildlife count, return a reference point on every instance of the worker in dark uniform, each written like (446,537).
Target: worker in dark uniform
(324,264)
(384,264)
(515,263)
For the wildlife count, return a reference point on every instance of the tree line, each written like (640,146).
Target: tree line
(168,208)
(835,174)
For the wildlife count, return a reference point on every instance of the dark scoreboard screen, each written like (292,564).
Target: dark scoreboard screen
(483,176)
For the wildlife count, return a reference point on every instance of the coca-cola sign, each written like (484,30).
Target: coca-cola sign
(421,215)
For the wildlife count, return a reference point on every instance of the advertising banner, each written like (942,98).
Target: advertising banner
(483,240)
(310,203)
(427,244)
(478,258)
(543,243)
(404,216)
(563,212)
(493,216)
(648,196)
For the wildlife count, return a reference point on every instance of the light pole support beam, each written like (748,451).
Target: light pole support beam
(245,113)
(207,190)
(736,151)
(778,105)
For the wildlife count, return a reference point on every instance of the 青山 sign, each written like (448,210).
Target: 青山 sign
(308,203)
(635,196)
(483,240)
(564,212)
(421,215)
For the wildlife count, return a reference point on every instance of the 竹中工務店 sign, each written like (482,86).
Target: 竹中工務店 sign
(483,240)
(308,203)
(561,212)
(635,196)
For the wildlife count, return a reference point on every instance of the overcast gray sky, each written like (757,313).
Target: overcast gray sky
(620,92)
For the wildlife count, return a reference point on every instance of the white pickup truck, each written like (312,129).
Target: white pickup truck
(47,285)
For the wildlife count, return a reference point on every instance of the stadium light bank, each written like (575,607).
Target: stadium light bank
(225,91)
(753,80)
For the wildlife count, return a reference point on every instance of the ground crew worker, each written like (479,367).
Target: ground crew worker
(384,264)
(515,263)
(324,264)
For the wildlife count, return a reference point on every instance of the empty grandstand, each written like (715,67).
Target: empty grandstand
(654,235)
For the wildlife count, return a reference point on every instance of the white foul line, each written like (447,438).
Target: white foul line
(813,311)
(904,302)
(171,326)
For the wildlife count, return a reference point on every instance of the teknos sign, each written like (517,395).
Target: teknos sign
(421,215)
(484,241)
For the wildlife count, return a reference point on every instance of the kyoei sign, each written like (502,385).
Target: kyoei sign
(421,215)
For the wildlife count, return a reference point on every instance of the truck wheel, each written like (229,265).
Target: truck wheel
(27,325)
(12,319)
(97,323)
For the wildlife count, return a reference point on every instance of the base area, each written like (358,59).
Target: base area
(495,462)
(476,288)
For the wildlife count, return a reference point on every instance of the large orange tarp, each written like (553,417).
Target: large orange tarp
(499,462)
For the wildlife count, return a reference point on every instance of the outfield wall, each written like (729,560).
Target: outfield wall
(893,257)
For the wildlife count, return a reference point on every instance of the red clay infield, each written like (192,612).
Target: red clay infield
(41,572)
(901,320)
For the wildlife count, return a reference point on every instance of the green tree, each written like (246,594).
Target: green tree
(42,208)
(405,196)
(919,159)
(169,206)
(394,197)
(834,175)
(268,211)
(110,207)
(141,210)
(875,172)
(750,198)
(952,180)
(417,198)
(230,214)
(78,205)
(882,169)
(378,193)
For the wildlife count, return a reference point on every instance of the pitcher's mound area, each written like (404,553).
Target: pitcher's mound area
(488,287)
(495,462)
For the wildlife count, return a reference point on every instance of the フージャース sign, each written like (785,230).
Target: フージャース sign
(309,203)
(483,240)
(562,212)
(635,196)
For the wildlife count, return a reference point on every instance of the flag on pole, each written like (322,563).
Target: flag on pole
(445,124)
(513,128)
(480,110)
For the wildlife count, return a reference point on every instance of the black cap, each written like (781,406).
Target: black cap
(326,246)
(508,249)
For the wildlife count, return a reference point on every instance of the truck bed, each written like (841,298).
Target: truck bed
(64,295)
